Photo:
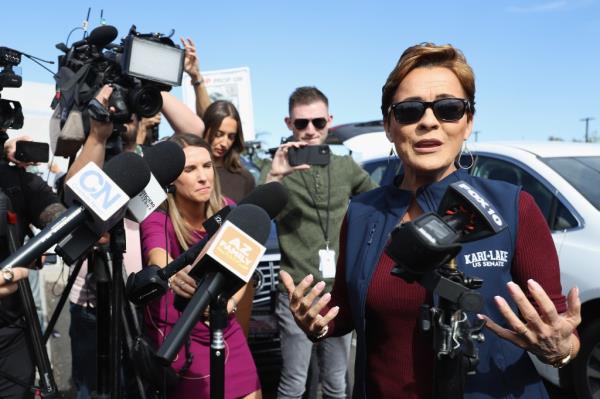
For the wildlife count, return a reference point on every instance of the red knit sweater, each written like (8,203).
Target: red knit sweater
(399,356)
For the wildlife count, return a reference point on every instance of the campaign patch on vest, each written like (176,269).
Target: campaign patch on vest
(490,258)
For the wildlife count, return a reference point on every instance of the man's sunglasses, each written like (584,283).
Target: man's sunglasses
(445,109)
(318,123)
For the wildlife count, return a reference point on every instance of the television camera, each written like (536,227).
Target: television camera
(138,69)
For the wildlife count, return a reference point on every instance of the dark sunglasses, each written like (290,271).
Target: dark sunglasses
(318,123)
(445,109)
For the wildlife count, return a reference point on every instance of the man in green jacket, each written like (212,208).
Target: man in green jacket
(309,229)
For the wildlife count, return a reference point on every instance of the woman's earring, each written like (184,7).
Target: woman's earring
(464,151)
(392,154)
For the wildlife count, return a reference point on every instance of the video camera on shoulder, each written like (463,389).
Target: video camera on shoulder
(11,113)
(138,69)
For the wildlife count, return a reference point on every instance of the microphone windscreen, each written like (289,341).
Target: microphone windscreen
(129,171)
(166,161)
(252,220)
(272,197)
(102,35)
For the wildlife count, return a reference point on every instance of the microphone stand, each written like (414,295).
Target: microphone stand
(218,322)
(117,248)
(454,338)
(49,389)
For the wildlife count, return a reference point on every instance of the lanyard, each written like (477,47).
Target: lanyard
(325,229)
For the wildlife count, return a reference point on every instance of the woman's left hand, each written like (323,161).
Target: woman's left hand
(546,333)
(183,284)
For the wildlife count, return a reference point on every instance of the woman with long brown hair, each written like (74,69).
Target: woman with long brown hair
(165,235)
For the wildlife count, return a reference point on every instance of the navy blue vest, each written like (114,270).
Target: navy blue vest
(505,370)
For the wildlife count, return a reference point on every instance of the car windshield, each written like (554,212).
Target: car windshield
(582,172)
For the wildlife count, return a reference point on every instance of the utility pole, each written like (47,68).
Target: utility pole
(587,126)
(476,133)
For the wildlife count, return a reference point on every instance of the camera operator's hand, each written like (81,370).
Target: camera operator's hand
(145,124)
(280,167)
(10,148)
(8,284)
(182,284)
(306,307)
(101,130)
(191,64)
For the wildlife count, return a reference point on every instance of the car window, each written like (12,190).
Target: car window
(556,214)
(383,170)
(583,173)
(376,169)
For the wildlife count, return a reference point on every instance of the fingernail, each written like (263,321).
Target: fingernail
(511,284)
(498,299)
(480,316)
(320,285)
(533,285)
(327,297)
(336,309)
(308,278)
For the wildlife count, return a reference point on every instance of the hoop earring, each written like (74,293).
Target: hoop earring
(465,151)
(392,154)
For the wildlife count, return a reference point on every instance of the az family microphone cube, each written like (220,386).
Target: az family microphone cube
(236,251)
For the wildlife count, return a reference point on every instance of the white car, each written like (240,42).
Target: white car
(564,179)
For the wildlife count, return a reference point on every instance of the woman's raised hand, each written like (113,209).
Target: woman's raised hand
(546,333)
(306,306)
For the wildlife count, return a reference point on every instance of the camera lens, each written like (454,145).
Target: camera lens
(145,101)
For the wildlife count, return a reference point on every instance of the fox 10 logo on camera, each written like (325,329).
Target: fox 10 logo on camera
(97,191)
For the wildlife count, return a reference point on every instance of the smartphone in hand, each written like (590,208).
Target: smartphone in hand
(309,154)
(31,151)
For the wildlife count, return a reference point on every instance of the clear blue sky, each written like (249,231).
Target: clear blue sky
(537,62)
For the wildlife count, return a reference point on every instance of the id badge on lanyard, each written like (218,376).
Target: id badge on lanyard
(327,262)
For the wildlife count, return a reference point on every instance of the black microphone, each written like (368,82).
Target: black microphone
(99,37)
(223,267)
(151,282)
(166,161)
(272,197)
(100,203)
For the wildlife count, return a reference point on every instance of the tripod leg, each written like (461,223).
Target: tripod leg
(40,355)
(103,323)
(131,328)
(61,303)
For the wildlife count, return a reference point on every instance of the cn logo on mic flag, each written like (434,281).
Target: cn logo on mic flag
(97,191)
(236,250)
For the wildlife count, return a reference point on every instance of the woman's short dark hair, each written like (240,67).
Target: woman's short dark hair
(429,55)
(213,117)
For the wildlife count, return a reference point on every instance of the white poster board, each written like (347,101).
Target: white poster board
(226,84)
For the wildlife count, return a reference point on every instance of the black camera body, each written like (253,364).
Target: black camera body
(11,113)
(97,62)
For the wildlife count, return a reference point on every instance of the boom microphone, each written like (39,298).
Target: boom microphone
(226,263)
(101,197)
(99,37)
